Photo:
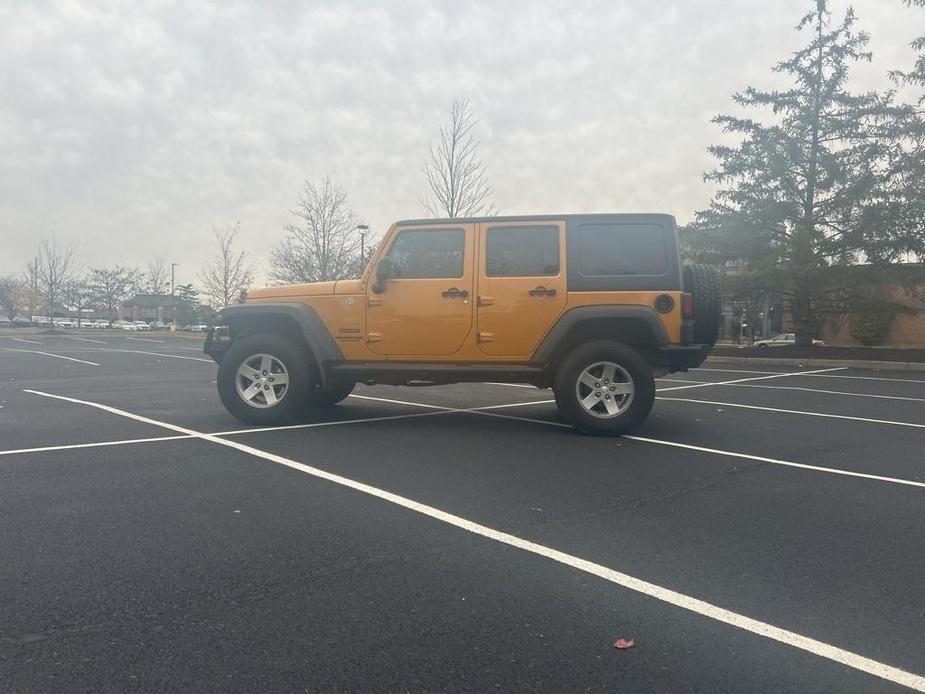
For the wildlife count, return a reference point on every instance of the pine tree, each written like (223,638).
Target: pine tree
(819,185)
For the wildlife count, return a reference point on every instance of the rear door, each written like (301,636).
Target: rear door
(521,285)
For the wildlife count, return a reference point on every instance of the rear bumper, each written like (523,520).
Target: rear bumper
(679,357)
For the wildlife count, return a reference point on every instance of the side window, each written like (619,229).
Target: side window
(522,251)
(621,249)
(428,253)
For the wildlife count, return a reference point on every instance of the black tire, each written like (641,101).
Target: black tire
(298,364)
(625,358)
(328,397)
(703,282)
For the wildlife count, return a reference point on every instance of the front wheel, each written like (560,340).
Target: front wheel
(604,388)
(264,379)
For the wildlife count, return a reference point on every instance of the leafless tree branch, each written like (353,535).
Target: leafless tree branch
(456,178)
(230,274)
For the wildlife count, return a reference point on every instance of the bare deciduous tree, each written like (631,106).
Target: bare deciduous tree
(455,176)
(9,295)
(77,295)
(111,286)
(323,244)
(54,266)
(157,276)
(230,274)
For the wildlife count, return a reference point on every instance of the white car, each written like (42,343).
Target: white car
(141,325)
(783,340)
(63,323)
(124,325)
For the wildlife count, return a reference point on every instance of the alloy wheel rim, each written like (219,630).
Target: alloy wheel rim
(605,389)
(262,381)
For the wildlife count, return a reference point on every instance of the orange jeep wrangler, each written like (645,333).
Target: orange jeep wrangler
(594,306)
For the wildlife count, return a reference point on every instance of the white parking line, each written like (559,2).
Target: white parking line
(671,597)
(49,354)
(756,378)
(486,412)
(157,354)
(825,392)
(28,342)
(144,339)
(802,412)
(819,375)
(84,339)
(96,444)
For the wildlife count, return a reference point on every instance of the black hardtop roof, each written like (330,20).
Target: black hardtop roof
(594,217)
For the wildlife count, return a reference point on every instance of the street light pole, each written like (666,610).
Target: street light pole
(173,310)
(363,228)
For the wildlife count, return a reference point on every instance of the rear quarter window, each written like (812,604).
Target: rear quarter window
(607,250)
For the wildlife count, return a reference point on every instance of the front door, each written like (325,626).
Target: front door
(426,310)
(522,289)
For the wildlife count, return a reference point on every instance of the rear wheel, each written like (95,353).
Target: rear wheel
(703,283)
(604,388)
(264,379)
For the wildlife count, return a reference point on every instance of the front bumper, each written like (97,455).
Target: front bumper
(218,339)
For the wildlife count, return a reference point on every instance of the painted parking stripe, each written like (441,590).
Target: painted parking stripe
(671,597)
(769,631)
(49,354)
(754,378)
(28,342)
(488,412)
(157,354)
(819,375)
(798,412)
(95,444)
(84,339)
(825,392)
(144,339)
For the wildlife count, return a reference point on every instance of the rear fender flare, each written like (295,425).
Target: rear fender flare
(573,319)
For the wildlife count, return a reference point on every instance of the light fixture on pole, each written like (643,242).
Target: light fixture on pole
(363,229)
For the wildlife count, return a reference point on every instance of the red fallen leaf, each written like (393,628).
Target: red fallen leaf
(623,644)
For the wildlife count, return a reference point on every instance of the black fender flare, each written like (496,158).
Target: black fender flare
(572,318)
(323,347)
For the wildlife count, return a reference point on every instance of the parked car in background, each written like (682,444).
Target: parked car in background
(63,323)
(158,325)
(5,322)
(124,325)
(22,322)
(783,340)
(141,325)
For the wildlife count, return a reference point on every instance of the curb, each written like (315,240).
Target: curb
(822,363)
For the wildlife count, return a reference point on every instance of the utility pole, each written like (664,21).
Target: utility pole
(173,310)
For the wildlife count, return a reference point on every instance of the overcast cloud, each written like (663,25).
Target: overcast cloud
(132,128)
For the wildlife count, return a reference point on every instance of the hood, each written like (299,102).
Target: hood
(287,291)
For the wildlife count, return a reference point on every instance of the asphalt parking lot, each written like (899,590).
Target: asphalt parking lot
(764,532)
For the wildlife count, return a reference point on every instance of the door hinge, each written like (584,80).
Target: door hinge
(486,337)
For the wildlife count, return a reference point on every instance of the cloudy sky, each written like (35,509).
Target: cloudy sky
(132,128)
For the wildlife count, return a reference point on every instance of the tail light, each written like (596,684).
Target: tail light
(687,305)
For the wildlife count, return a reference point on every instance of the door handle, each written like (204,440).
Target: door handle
(454,293)
(542,291)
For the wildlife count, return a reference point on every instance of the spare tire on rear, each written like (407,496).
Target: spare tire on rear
(703,282)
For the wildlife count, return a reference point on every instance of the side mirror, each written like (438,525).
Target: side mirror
(386,269)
